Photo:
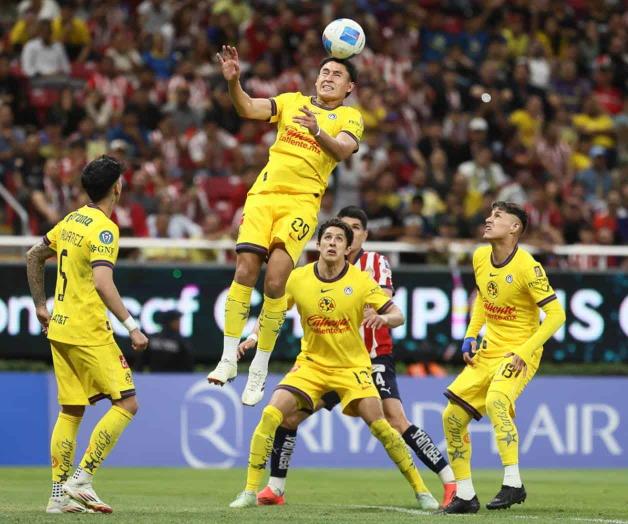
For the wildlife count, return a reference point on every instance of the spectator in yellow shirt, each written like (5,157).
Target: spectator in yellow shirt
(72,32)
(593,121)
(528,121)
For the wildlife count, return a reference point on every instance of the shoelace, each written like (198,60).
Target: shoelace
(256,379)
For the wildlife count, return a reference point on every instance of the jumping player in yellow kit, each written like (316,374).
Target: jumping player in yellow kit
(314,133)
(331,295)
(88,364)
(511,287)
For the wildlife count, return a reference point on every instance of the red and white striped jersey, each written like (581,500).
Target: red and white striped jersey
(378,341)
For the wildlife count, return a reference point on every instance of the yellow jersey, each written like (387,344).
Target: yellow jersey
(331,313)
(84,239)
(511,294)
(296,162)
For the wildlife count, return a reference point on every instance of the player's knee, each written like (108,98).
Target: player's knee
(274,285)
(128,404)
(247,269)
(292,421)
(73,411)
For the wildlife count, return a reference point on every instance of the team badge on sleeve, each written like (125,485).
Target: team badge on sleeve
(106,237)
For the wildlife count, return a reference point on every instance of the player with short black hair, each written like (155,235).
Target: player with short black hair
(88,364)
(511,287)
(379,345)
(314,133)
(334,299)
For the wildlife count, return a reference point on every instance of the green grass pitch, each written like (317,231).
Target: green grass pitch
(379,496)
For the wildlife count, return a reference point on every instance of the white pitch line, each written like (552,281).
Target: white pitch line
(531,517)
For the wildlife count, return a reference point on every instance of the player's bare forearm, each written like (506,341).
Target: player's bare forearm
(108,292)
(35,261)
(393,317)
(340,148)
(247,107)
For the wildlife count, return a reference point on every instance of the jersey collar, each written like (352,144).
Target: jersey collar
(326,108)
(505,262)
(94,206)
(336,278)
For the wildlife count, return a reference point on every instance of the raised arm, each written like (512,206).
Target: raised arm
(35,260)
(108,292)
(247,107)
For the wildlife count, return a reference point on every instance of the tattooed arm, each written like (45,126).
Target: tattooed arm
(35,260)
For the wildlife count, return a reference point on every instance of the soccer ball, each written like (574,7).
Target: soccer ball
(343,38)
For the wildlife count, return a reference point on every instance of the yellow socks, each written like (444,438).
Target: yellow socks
(455,425)
(498,408)
(63,446)
(270,321)
(398,452)
(261,446)
(104,438)
(237,309)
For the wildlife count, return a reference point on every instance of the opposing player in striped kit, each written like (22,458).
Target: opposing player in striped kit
(379,344)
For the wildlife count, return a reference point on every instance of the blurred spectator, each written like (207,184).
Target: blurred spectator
(482,173)
(597,180)
(169,222)
(48,9)
(185,117)
(67,112)
(72,32)
(384,223)
(113,87)
(592,121)
(159,58)
(168,351)
(124,56)
(44,61)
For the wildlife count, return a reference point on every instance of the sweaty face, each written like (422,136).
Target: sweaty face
(333,245)
(359,233)
(333,82)
(500,225)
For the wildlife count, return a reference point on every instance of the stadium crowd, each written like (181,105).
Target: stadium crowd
(464,103)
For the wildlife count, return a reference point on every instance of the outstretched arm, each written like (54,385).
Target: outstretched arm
(247,107)
(35,260)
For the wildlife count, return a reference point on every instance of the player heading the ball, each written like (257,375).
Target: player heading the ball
(314,133)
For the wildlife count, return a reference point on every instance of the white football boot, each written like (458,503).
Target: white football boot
(254,389)
(225,371)
(427,501)
(84,493)
(65,504)
(245,499)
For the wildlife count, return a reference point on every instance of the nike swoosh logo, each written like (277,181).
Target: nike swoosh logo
(326,290)
(493,274)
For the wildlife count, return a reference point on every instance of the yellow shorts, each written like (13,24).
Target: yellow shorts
(310,382)
(273,219)
(490,374)
(87,374)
